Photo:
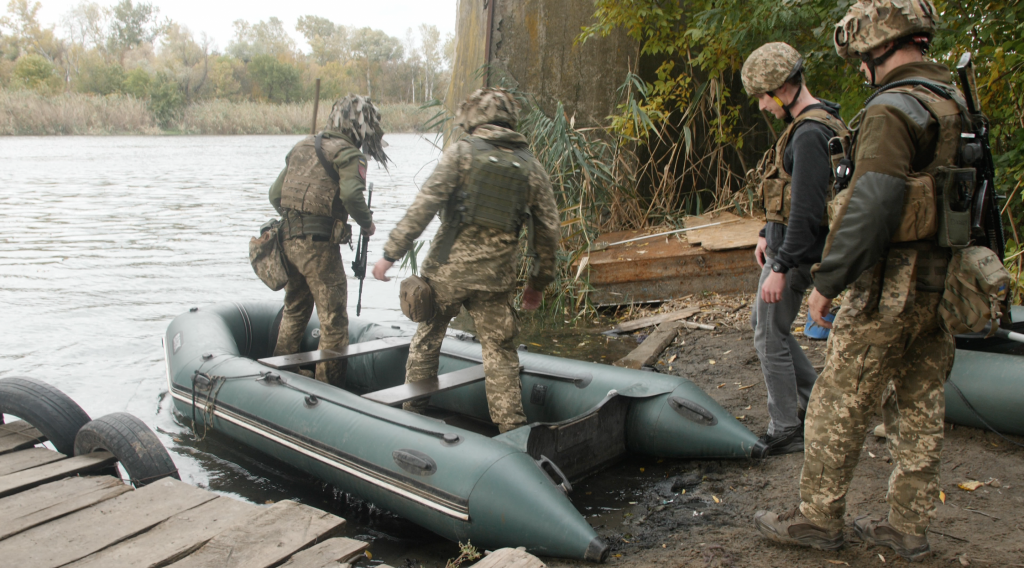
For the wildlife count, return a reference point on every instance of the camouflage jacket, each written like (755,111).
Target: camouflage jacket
(481,258)
(350,187)
(897,137)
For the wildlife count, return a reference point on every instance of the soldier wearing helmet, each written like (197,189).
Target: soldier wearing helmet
(489,187)
(320,187)
(888,345)
(794,183)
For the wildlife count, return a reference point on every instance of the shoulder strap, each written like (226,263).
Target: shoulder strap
(328,166)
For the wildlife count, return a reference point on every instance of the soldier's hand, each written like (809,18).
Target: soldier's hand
(531,299)
(372,229)
(818,306)
(762,244)
(381,268)
(771,290)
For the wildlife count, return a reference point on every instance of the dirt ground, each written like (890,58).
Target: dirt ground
(699,513)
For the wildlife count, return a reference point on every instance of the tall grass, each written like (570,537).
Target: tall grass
(29,113)
(32,113)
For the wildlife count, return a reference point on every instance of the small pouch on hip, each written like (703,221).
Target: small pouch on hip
(417,299)
(341,233)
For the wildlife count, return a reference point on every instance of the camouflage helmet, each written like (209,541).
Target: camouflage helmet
(356,116)
(769,67)
(487,106)
(873,23)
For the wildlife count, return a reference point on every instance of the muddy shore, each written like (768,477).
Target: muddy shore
(699,513)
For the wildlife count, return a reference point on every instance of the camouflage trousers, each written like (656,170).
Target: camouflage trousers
(316,275)
(497,326)
(903,359)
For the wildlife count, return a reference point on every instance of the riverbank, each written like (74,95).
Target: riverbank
(27,113)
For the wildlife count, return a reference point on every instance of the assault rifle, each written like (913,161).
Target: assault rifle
(986,221)
(359,264)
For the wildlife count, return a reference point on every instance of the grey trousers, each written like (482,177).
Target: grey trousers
(788,374)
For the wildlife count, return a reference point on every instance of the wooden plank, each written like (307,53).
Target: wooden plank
(739,233)
(648,321)
(80,534)
(423,389)
(29,478)
(19,435)
(327,553)
(27,459)
(54,500)
(175,538)
(510,558)
(266,539)
(649,350)
(320,356)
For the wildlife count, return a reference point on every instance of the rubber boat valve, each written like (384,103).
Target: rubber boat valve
(451,439)
(311,401)
(597,550)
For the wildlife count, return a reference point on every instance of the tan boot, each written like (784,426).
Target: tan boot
(879,532)
(792,527)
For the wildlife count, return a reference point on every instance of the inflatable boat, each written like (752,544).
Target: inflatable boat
(449,471)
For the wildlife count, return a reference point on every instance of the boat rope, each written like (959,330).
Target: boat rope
(214,382)
(432,433)
(978,414)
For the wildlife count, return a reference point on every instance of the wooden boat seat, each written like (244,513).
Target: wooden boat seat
(422,389)
(322,355)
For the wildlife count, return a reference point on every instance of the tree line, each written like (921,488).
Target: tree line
(129,49)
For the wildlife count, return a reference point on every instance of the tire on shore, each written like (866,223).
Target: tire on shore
(135,446)
(46,408)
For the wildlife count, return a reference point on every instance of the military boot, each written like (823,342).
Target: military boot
(792,527)
(879,532)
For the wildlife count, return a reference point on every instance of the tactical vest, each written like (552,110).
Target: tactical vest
(307,189)
(774,182)
(936,201)
(495,194)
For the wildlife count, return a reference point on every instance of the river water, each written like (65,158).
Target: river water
(104,240)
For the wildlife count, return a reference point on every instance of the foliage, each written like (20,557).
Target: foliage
(34,72)
(697,48)
(101,78)
(467,553)
(165,100)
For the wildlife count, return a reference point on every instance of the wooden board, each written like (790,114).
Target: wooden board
(320,356)
(650,348)
(27,459)
(327,553)
(175,538)
(423,389)
(266,539)
(29,478)
(19,435)
(54,500)
(80,534)
(739,233)
(654,320)
(510,558)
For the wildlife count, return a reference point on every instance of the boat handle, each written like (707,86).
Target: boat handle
(554,474)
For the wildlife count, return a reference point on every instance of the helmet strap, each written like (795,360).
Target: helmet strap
(786,106)
(897,45)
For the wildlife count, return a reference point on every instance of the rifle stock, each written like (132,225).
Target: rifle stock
(359,264)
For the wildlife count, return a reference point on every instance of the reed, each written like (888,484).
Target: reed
(25,112)
(30,113)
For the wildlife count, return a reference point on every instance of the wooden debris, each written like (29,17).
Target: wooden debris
(654,320)
(510,558)
(649,350)
(693,325)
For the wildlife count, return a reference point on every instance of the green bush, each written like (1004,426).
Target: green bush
(35,72)
(102,79)
(166,101)
(137,83)
(277,81)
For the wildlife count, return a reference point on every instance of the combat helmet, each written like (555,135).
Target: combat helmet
(870,24)
(768,68)
(356,116)
(488,106)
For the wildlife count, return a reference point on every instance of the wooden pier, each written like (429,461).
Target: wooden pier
(52,516)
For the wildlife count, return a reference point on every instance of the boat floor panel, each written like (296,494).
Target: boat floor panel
(422,389)
(323,355)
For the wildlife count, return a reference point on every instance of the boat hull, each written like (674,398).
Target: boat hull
(990,383)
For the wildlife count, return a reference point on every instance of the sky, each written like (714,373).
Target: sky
(215,16)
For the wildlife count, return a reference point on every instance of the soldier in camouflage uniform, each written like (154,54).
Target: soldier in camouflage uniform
(794,182)
(888,331)
(473,265)
(315,195)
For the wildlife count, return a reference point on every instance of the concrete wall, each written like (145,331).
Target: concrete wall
(532,49)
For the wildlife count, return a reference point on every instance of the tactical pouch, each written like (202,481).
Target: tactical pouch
(976,286)
(341,233)
(957,188)
(266,256)
(919,220)
(417,299)
(899,281)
